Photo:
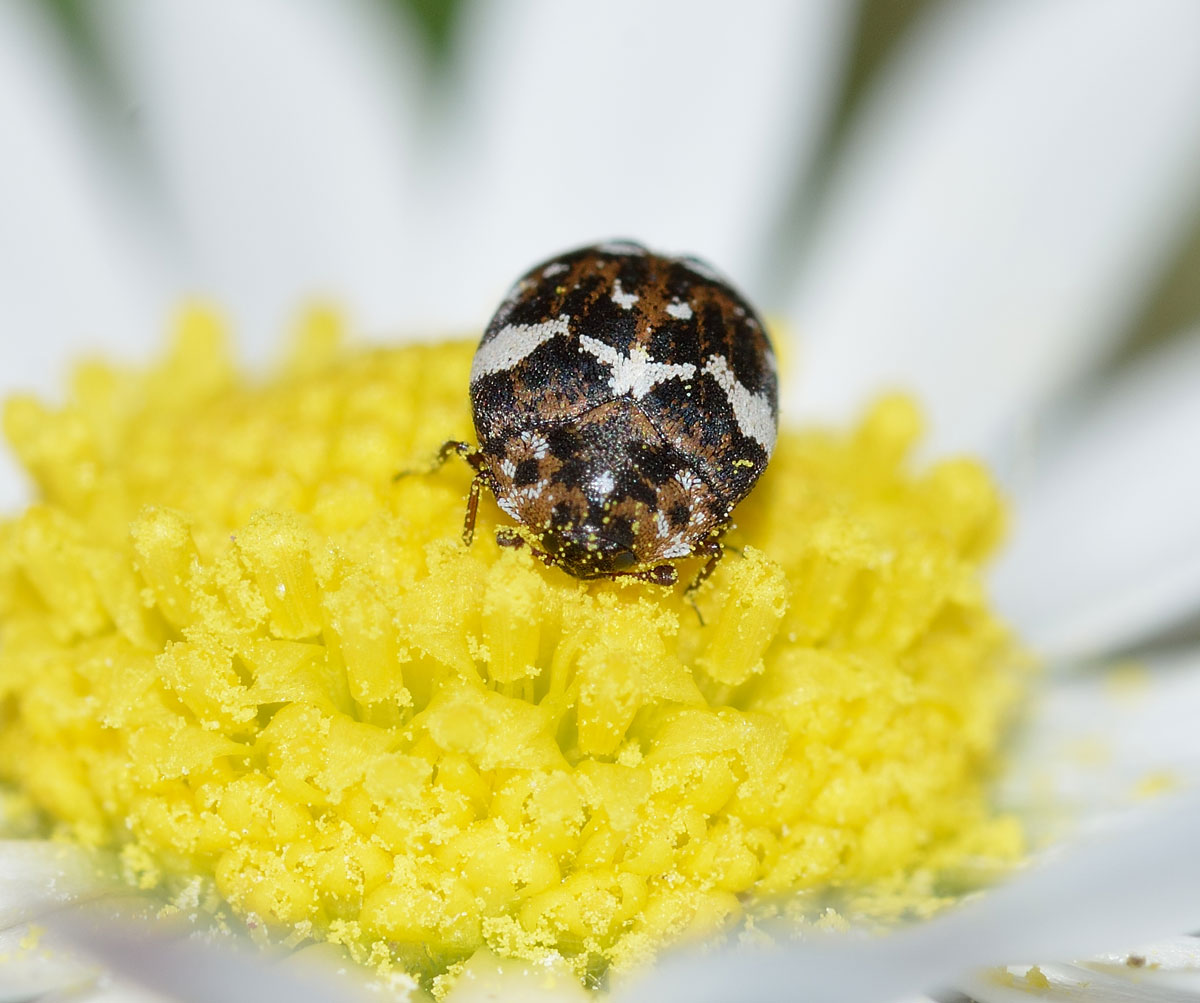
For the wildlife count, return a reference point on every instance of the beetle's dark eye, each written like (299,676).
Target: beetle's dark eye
(624,561)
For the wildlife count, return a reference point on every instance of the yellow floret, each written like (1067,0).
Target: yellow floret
(234,646)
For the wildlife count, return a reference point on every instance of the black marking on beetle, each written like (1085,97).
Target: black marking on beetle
(625,402)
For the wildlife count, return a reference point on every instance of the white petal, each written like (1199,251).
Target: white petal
(1106,543)
(37,879)
(76,267)
(1099,744)
(1116,983)
(680,124)
(284,132)
(1015,186)
(28,973)
(105,991)
(192,969)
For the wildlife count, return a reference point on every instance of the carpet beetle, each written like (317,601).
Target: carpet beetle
(625,402)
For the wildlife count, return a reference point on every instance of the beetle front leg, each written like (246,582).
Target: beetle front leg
(714,549)
(454,446)
(474,457)
(472,507)
(464,449)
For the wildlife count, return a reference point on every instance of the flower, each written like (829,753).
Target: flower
(994,221)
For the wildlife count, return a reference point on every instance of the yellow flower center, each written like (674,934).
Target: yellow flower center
(235,647)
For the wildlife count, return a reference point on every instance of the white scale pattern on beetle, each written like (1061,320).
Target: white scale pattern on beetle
(535,443)
(603,484)
(752,412)
(623,299)
(675,544)
(514,498)
(678,543)
(635,373)
(515,342)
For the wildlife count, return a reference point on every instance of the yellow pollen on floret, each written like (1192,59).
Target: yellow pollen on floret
(234,646)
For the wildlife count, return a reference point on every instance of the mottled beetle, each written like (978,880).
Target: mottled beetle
(624,402)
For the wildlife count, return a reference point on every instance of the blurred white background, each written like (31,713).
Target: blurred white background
(994,204)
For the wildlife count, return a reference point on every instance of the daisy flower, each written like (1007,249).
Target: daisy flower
(1015,181)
